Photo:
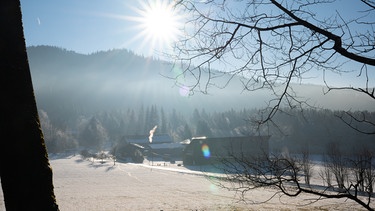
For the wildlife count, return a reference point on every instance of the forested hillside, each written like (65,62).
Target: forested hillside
(93,100)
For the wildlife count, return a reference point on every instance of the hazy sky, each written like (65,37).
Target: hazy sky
(87,26)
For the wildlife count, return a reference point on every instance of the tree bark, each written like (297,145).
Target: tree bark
(26,175)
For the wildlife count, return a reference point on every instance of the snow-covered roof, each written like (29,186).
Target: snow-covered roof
(144,139)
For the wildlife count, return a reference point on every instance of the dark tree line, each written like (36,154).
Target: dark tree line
(312,129)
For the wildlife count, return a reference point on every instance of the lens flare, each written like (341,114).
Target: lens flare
(206,151)
(184,91)
(213,188)
(178,75)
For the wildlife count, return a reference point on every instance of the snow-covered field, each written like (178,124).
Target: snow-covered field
(86,185)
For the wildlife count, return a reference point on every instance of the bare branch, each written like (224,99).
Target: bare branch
(283,173)
(337,40)
(272,44)
(358,122)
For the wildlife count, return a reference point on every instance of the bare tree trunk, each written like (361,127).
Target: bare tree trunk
(337,164)
(306,165)
(26,176)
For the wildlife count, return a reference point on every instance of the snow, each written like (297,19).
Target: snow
(85,185)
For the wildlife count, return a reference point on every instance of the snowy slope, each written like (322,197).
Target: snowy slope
(86,185)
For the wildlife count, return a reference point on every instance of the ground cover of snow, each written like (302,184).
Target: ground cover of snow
(82,184)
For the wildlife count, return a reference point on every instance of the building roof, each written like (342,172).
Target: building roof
(230,139)
(144,139)
(166,146)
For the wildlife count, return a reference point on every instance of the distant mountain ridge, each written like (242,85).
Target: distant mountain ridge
(117,79)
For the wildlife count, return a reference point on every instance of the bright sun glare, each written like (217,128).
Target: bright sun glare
(159,23)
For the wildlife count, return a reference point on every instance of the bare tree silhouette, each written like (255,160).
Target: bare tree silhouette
(272,44)
(285,173)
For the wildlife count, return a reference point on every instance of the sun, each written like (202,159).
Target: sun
(159,23)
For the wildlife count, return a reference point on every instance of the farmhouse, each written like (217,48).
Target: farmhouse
(201,151)
(161,145)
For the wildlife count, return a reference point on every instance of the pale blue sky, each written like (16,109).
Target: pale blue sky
(84,26)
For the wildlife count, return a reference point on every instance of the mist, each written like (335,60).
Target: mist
(119,78)
(121,90)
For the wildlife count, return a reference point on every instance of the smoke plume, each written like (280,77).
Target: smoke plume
(152,131)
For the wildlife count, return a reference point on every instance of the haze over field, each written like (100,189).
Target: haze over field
(119,78)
